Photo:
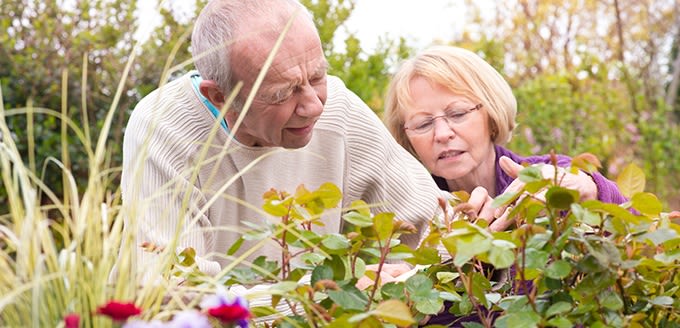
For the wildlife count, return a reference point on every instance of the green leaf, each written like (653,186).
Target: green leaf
(647,204)
(348,300)
(530,174)
(504,199)
(501,257)
(312,258)
(662,300)
(561,198)
(535,186)
(425,256)
(611,301)
(394,311)
(430,305)
(560,322)
(382,223)
(235,246)
(472,325)
(660,236)
(528,319)
(277,207)
(468,246)
(585,216)
(465,306)
(284,286)
(558,308)
(536,259)
(393,290)
(321,272)
(335,241)
(296,274)
(631,180)
(187,257)
(589,264)
(446,276)
(329,194)
(419,285)
(480,286)
(338,267)
(358,219)
(559,269)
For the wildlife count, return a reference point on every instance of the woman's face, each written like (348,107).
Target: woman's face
(450,133)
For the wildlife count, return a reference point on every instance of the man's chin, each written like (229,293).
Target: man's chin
(298,142)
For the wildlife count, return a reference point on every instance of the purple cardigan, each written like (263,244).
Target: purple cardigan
(607,191)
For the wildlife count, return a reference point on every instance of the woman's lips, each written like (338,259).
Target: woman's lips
(450,154)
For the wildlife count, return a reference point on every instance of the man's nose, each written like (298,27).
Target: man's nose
(310,104)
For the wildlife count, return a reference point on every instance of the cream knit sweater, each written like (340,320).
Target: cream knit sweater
(181,180)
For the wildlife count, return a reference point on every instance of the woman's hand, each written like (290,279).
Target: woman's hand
(581,182)
(479,206)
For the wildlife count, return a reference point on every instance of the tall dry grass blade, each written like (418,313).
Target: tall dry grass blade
(83,103)
(30,134)
(65,158)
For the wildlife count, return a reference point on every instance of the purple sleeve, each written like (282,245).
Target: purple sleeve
(607,191)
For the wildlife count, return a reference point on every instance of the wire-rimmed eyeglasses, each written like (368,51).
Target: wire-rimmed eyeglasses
(452,117)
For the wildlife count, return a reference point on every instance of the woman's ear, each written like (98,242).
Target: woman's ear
(211,90)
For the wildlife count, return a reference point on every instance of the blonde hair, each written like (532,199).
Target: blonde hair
(462,72)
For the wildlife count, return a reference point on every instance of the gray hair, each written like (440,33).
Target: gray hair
(218,25)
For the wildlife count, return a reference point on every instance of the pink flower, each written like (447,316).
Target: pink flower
(229,309)
(119,311)
(72,321)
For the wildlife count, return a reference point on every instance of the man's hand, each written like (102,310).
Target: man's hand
(389,273)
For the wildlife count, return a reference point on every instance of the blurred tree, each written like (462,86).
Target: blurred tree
(43,41)
(367,74)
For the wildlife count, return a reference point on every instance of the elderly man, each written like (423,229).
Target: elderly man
(190,176)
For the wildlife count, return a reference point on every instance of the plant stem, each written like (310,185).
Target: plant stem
(468,289)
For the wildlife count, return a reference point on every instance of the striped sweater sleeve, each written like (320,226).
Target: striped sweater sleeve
(382,172)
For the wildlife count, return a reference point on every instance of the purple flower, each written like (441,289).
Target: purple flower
(144,324)
(190,319)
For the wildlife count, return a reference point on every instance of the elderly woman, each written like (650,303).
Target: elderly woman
(454,112)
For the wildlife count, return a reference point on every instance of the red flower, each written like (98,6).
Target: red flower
(119,311)
(72,321)
(229,313)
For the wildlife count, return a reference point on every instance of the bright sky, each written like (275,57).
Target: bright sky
(420,22)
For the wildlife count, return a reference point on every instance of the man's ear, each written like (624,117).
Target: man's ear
(211,90)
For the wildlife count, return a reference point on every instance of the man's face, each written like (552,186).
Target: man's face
(291,97)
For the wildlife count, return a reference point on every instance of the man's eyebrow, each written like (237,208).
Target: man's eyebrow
(321,69)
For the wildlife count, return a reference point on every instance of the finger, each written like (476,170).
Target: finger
(503,222)
(396,269)
(478,197)
(488,211)
(509,166)
(364,282)
(385,278)
(372,267)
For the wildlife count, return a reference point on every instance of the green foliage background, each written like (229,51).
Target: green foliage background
(608,87)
